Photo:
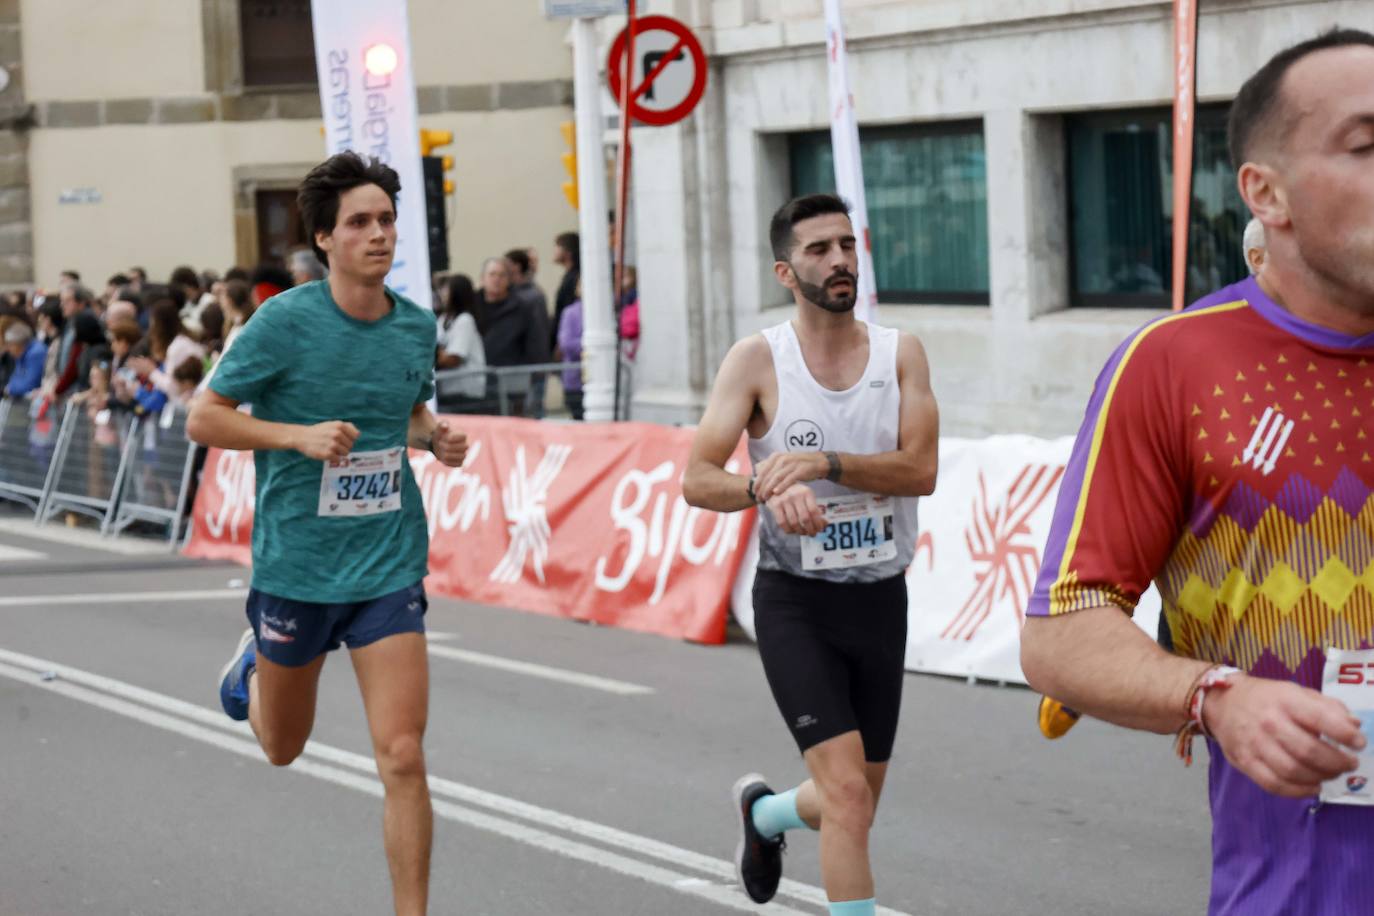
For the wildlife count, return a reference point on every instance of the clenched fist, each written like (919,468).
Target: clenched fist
(449,445)
(324,441)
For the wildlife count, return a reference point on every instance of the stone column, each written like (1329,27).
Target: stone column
(16,227)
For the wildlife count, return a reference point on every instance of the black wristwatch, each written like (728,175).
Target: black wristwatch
(833,475)
(750,490)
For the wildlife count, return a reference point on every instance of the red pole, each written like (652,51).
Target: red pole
(623,184)
(1185,109)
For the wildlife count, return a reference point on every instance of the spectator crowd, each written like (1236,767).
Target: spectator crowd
(138,345)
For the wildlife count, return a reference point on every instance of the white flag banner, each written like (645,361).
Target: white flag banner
(983,534)
(849,166)
(367,90)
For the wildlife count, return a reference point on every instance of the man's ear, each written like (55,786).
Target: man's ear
(786,275)
(1261,187)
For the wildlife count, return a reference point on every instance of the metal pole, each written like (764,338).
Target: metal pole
(598,330)
(623,186)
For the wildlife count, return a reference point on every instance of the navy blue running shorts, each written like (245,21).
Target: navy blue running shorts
(295,633)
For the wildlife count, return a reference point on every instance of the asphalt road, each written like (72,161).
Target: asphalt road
(582,770)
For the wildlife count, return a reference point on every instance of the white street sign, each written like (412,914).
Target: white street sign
(582,9)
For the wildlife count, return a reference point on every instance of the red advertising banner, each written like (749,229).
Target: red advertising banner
(585,521)
(1185,109)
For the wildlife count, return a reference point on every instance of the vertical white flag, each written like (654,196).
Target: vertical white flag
(367,90)
(849,166)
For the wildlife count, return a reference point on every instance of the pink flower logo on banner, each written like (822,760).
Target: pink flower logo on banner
(999,542)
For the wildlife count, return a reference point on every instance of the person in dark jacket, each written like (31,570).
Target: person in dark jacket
(515,332)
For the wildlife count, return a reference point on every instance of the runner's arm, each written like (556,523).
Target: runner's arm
(1099,662)
(910,470)
(421,431)
(215,421)
(706,484)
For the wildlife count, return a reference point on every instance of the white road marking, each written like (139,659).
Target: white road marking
(624,688)
(10,554)
(213,728)
(577,678)
(204,594)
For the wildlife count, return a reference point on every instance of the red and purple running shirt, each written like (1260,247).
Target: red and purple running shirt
(1228,456)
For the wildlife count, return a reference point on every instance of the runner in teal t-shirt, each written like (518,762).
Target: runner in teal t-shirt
(338,372)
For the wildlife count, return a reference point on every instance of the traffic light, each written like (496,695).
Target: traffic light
(569,131)
(436,187)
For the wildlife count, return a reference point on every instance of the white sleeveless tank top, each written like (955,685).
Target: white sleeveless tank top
(862,420)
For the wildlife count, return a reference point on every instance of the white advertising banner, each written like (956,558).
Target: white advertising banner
(849,166)
(983,533)
(367,90)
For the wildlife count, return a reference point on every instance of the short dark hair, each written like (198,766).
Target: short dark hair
(1257,107)
(781,234)
(117,280)
(76,277)
(237,292)
(236,273)
(318,198)
(184,276)
(571,242)
(127,294)
(520,258)
(462,297)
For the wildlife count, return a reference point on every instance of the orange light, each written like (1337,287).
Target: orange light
(381,60)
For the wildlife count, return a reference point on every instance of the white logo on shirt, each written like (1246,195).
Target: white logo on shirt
(1274,435)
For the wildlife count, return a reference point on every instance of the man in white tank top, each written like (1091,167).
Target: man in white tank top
(843,434)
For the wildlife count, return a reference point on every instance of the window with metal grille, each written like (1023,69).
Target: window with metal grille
(278,43)
(1121,208)
(926,188)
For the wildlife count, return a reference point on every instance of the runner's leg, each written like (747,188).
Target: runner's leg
(281,706)
(393,675)
(847,801)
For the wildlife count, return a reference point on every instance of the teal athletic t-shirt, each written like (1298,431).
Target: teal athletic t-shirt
(303,360)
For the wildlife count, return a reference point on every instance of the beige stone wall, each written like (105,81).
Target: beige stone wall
(508,177)
(486,41)
(168,191)
(79,49)
(137,121)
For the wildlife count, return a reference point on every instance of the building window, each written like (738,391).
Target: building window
(926,188)
(278,43)
(1121,204)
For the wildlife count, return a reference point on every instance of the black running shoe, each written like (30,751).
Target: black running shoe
(758,860)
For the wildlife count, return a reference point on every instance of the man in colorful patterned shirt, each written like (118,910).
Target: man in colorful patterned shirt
(1228,456)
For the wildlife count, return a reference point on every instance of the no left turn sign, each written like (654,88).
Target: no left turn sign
(668,74)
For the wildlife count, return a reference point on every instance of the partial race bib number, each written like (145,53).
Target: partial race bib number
(859,533)
(1349,677)
(364,483)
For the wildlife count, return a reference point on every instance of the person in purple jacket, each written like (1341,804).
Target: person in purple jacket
(570,353)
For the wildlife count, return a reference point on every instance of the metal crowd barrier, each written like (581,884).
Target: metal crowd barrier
(507,389)
(89,464)
(158,476)
(118,472)
(119,469)
(26,452)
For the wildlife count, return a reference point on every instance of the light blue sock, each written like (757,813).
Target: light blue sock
(774,814)
(854,907)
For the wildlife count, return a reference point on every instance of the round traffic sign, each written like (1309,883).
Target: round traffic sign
(668,75)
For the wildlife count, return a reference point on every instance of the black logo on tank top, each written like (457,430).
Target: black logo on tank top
(804,436)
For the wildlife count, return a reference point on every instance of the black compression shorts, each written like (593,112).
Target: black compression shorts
(834,656)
